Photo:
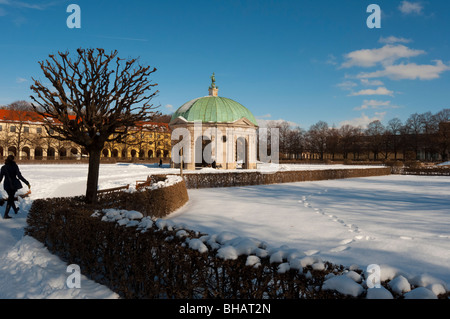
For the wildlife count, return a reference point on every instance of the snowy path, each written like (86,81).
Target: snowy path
(401,221)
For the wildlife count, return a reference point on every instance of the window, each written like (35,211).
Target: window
(12,129)
(26,129)
(39,130)
(1,129)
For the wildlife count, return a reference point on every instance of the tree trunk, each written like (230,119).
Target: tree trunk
(93,173)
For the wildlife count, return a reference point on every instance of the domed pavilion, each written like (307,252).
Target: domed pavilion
(214,131)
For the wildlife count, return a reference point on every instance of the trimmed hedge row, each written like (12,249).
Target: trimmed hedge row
(156,202)
(157,263)
(228,179)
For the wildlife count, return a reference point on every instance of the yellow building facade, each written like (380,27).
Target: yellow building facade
(23,135)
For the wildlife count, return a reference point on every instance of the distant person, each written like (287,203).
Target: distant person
(160,162)
(10,171)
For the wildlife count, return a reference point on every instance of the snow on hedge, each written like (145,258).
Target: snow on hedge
(229,246)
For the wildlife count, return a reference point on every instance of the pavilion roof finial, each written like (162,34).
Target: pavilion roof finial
(213,89)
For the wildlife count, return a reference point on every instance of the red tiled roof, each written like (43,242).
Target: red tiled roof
(31,116)
(17,116)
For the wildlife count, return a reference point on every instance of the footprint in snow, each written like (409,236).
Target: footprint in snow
(346,241)
(339,249)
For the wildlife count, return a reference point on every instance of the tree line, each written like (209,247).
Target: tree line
(423,136)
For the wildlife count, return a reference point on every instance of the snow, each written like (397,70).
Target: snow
(420,293)
(400,285)
(379,293)
(398,222)
(344,285)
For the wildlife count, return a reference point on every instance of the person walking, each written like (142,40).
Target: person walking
(10,171)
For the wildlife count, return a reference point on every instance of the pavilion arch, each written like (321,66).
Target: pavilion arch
(115,153)
(133,153)
(150,153)
(105,152)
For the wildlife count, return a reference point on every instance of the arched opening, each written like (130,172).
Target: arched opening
(124,153)
(158,153)
(12,150)
(206,151)
(141,154)
(133,153)
(115,153)
(51,153)
(241,153)
(25,153)
(1,152)
(105,152)
(150,154)
(73,152)
(38,153)
(62,153)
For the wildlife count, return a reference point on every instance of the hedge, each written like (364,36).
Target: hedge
(157,263)
(228,179)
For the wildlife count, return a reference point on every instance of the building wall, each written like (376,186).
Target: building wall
(29,140)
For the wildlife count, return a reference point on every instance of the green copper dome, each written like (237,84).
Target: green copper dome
(213,109)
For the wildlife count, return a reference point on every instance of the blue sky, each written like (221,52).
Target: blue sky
(301,61)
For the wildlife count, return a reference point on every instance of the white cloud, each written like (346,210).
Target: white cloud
(21,80)
(392,40)
(169,107)
(368,82)
(379,91)
(410,71)
(375,104)
(364,120)
(331,60)
(386,55)
(407,7)
(347,85)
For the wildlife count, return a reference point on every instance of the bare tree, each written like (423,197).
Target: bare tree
(95,98)
(317,138)
(394,128)
(374,132)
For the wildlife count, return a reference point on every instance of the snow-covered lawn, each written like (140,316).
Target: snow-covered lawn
(399,221)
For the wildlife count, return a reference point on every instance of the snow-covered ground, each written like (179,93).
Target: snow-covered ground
(399,222)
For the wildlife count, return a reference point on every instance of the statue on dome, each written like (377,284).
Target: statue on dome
(213,82)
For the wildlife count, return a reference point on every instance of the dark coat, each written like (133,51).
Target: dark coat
(11,173)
